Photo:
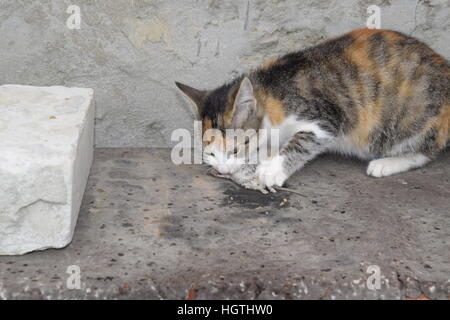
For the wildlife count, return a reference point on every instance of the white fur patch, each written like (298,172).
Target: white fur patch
(311,126)
(271,172)
(219,160)
(291,125)
(389,166)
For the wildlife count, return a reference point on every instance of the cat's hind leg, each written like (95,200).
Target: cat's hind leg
(391,165)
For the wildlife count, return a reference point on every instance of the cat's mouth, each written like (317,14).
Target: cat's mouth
(216,173)
(223,171)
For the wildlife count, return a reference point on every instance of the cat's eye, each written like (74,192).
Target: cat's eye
(211,154)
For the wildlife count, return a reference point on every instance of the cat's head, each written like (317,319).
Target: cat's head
(231,106)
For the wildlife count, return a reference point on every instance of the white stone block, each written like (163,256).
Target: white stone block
(46,152)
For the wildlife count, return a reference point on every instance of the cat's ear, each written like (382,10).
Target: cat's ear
(244,103)
(195,95)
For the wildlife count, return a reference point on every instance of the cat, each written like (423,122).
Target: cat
(379,95)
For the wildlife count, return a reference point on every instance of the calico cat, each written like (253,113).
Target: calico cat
(378,95)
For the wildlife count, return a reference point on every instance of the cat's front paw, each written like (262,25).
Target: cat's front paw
(271,172)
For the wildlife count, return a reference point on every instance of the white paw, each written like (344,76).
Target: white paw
(386,167)
(270,172)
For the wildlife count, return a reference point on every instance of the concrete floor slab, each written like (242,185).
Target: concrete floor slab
(150,229)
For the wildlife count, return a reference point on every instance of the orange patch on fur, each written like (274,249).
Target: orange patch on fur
(273,108)
(206,125)
(368,118)
(269,63)
(392,36)
(443,126)
(358,51)
(215,137)
(212,135)
(361,35)
(405,90)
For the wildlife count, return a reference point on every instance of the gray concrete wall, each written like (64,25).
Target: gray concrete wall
(131,51)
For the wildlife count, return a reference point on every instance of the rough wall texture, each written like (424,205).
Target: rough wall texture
(131,51)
